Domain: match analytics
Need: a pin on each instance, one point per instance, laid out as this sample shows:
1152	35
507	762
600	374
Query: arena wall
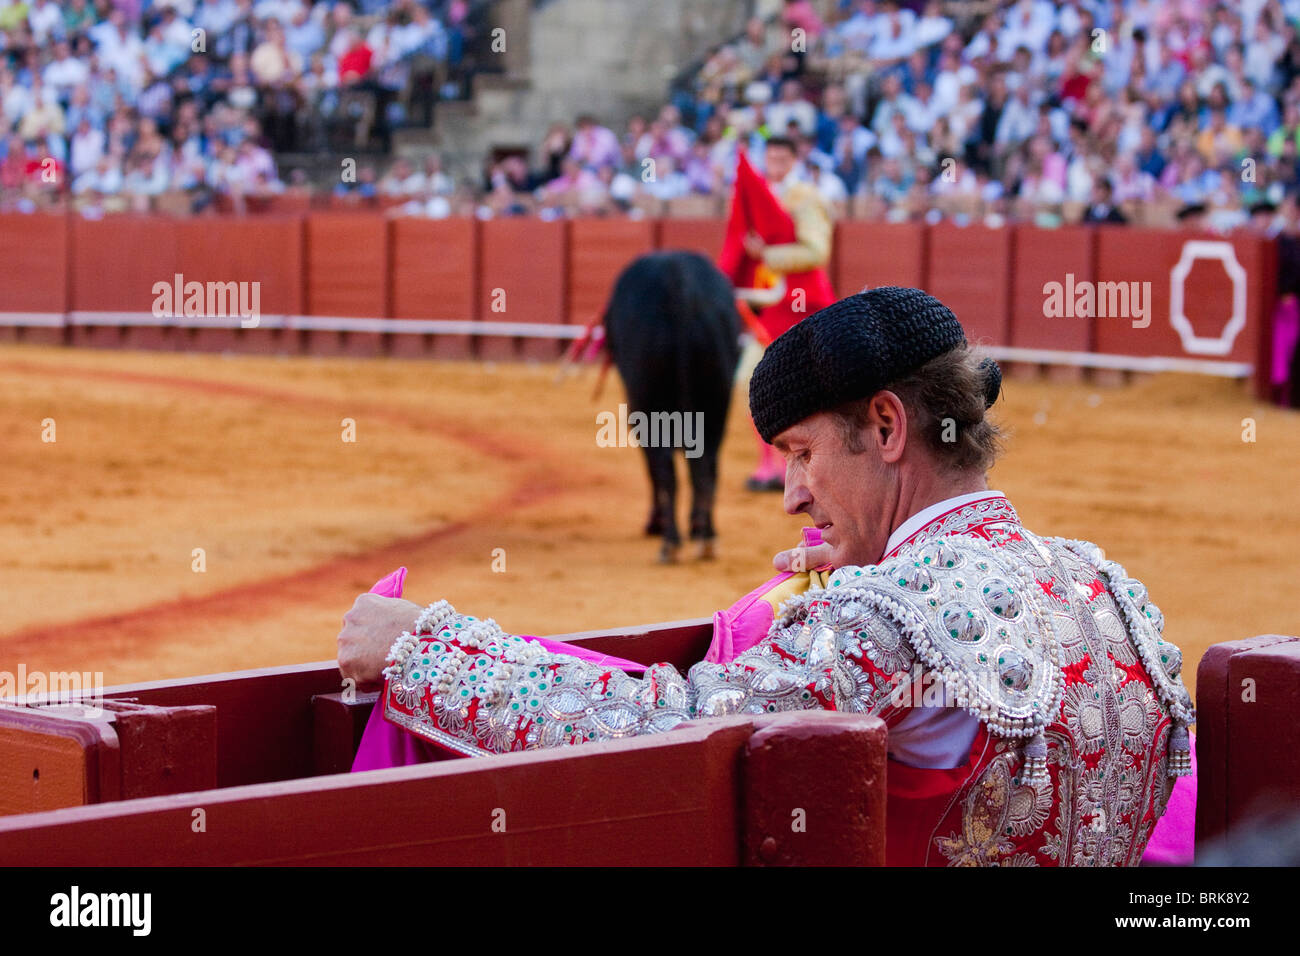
364	284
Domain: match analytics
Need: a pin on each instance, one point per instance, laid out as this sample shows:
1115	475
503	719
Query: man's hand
754	245
369	630
803	558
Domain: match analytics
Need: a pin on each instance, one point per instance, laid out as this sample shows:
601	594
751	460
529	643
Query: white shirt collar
930	512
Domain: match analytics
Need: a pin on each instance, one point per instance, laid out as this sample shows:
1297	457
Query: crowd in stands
1079	110
126	104
1051	111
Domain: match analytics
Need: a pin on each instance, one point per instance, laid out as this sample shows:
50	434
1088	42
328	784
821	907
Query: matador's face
777	163
846	494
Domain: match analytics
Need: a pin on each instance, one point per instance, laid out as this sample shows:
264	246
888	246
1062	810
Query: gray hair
946	406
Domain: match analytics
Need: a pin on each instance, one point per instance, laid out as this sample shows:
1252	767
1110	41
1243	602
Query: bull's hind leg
663	482
704	486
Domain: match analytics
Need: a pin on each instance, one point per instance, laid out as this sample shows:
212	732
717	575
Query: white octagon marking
1193	250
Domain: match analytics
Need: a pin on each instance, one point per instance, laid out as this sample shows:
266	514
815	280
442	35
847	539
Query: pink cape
735	630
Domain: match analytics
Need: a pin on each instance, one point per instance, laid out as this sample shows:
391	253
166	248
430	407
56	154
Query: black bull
672	329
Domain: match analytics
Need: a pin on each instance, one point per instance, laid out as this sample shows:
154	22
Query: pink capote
1286	335
735	630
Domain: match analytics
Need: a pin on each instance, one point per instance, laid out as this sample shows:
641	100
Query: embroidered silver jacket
1056	650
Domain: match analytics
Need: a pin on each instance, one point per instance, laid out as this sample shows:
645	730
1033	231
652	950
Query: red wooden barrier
874	254
599	249
1226	294
115	263
291	698
347	276
57	757
969	270
354	267
34	277
434	265
699	235
1247	737
522	279
690	796
1065	256
267	250
684	798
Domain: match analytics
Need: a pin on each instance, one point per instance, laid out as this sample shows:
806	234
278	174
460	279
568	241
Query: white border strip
323	323
190	322
1130	363
43	319
326	323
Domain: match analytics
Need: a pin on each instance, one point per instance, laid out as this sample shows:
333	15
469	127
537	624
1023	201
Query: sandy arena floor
158	454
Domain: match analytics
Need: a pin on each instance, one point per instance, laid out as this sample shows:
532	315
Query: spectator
1102	209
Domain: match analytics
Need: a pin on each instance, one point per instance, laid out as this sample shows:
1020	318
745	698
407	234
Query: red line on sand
170	620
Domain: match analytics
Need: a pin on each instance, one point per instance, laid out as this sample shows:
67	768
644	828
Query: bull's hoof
668	553
705	551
